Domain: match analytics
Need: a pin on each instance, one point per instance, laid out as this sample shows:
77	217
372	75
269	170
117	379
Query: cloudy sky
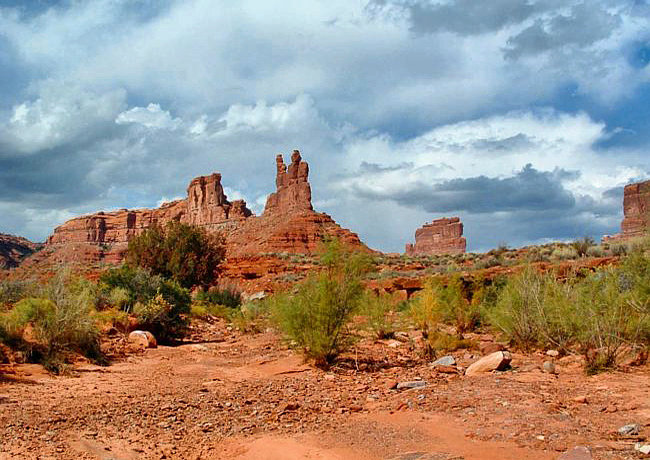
524	117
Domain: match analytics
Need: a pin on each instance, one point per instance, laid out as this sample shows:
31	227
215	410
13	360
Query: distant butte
288	224
441	236
636	212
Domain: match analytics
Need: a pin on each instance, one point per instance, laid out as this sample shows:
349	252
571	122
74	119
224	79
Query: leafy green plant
228	296
188	254
315	316
582	245
380	313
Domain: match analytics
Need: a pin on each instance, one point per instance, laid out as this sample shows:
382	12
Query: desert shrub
438	302
445	342
564	253
58	327
618	249
315	316
119	297
113	317
595	251
188	254
228	296
531	310
380	313
12	291
582	245
205	310
251	316
143	290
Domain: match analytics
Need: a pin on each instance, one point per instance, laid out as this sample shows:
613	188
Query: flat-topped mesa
293	192
441	236
636	212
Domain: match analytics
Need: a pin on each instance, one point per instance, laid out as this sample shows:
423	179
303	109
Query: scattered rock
144	339
577	453
629	430
413	384
580	399
445	361
553	353
447	369
392	384
497	361
488	348
402	336
643	448
549	367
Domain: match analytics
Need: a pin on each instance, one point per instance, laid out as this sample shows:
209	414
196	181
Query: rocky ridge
289	223
13	249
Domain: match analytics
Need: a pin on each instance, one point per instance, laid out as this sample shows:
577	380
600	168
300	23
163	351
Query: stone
549	367
636	212
553	353
143	339
582	399
444	361
630	430
441	236
643	448
289	223
496	361
411	385
491	347
577	453
13	249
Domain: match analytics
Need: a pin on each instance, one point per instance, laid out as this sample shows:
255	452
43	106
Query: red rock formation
293	189
442	236
289	223
13	249
636	212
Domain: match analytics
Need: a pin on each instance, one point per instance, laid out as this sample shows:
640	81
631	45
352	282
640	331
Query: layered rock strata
288	224
441	236
636	212
13	249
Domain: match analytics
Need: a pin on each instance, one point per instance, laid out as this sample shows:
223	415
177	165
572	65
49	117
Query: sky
526	118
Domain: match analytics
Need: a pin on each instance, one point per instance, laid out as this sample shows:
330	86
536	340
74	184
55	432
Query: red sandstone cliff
288	224
636	211
13	249
441	236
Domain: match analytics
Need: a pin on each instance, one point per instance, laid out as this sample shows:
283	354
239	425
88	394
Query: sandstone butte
288	224
441	236
13	249
636	212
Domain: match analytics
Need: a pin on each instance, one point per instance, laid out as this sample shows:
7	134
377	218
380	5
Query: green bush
227	296
188	254
438	302
582	245
131	286
564	253
12	291
59	327
380	313
315	316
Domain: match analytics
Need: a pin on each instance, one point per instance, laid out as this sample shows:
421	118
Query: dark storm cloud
584	25
529	189
465	17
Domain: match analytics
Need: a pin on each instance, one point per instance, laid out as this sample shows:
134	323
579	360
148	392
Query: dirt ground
229	395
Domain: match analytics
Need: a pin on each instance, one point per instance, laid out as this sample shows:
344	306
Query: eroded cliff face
441	236
288	224
13	249
636	212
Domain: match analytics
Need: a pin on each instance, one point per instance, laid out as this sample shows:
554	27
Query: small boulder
491	347
553	353
549	367
497	361
143	339
577	453
629	430
444	361
413	384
